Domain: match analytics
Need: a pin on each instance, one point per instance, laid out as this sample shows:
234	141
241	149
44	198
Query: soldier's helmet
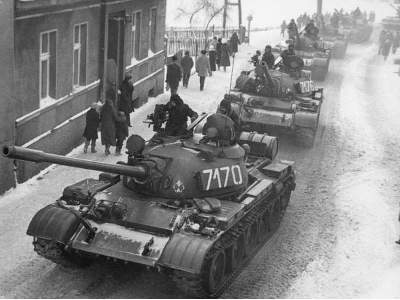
219	128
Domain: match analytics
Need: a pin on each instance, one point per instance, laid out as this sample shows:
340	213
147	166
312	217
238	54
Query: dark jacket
269	59
92	124
187	64
177	120
234	42
108	117
219	52
225	53
174	75
125	103
121	128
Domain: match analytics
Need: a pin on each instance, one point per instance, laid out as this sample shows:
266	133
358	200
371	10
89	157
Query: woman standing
225	54
218	49
108	117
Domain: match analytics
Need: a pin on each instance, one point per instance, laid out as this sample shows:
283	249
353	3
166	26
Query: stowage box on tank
196	207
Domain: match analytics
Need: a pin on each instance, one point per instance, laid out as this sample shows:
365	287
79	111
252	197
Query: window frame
46	57
151	38
79	25
134	30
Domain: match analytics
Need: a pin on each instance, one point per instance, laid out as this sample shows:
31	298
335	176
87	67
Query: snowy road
336	239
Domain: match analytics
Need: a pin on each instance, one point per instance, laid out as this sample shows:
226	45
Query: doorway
115	53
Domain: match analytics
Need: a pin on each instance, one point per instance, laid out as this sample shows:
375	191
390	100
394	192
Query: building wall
58	127
7	101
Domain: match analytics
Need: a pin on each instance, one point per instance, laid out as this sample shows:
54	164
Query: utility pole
225	14
319	7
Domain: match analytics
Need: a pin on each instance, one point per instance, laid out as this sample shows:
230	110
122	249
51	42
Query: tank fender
186	252
54	223
306	119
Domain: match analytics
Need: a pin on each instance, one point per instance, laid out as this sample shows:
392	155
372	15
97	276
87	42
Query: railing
193	39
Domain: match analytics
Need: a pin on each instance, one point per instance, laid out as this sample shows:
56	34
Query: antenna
233	67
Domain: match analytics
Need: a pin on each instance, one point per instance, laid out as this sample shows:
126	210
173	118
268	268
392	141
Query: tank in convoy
196	207
270	100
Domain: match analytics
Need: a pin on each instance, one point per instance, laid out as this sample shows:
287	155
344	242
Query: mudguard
185	252
306	119
54	223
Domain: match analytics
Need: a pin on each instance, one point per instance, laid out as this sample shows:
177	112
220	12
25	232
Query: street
336	239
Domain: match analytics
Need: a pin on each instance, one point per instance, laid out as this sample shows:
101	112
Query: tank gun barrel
37	156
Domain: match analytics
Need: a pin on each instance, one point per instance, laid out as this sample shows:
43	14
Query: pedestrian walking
174	75
292	30
121	131
125	101
396	42
92	125
283	28
108	117
387	44
225	55
212	53
203	68
234	43
382	37
187	65
219	53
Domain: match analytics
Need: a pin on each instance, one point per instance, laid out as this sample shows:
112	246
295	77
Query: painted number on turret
220	178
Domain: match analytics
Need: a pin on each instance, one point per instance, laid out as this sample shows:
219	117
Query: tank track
196	285
56	253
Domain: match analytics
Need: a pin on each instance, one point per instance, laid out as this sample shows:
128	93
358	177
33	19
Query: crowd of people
112	119
217	55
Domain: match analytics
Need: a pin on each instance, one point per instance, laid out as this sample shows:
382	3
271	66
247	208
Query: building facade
68	53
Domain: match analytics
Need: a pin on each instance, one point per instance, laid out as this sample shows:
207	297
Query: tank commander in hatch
225	108
178	112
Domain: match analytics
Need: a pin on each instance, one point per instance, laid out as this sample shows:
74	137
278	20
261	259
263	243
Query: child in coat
92	124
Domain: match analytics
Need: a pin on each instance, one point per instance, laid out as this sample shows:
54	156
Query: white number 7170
223	177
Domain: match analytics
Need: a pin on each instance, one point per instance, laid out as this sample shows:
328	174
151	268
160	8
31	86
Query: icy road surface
336	239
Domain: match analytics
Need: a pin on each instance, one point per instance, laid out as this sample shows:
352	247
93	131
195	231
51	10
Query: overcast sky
272	12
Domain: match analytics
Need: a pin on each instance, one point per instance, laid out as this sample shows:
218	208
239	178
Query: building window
135	34
80	54
48	59
153	29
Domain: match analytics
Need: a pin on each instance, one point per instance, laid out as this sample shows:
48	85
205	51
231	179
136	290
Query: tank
334	41
358	30
292	106
316	58
196	208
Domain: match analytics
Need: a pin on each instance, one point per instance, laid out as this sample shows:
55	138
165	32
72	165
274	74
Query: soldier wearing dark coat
108	117
234	43
292	30
225	108
178	113
187	65
219	53
268	57
174	75
125	102
92	124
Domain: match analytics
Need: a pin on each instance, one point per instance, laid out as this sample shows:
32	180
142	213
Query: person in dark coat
125	102
396	42
203	68
212	54
225	54
225	108
121	131
387	44
292	30
234	43
174	75
268	57
108	117
219	53
187	65
92	124
178	112
255	59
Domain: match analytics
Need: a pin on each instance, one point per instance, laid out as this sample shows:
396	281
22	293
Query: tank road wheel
56	252
216	272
